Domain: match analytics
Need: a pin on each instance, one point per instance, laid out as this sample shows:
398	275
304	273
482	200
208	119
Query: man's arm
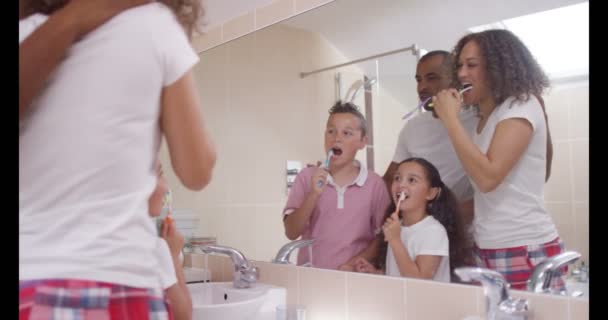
42	51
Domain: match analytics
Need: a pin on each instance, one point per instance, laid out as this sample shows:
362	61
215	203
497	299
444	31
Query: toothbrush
428	104
401	198
326	165
168	204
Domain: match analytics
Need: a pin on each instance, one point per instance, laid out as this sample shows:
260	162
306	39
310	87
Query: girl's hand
447	104
319	179
392	228
363	266
174	239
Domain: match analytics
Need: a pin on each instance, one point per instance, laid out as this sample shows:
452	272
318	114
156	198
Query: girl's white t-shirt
426	237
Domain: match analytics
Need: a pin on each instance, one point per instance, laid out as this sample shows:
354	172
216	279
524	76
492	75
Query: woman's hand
447	104
392	228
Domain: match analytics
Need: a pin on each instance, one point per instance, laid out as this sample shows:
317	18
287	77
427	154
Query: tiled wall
336	295
567	191
252	21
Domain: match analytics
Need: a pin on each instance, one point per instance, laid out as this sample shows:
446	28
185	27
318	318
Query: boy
341	206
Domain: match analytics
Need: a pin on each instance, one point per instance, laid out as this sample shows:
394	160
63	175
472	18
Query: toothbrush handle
320	183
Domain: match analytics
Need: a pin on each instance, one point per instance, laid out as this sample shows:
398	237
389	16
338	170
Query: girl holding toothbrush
423	233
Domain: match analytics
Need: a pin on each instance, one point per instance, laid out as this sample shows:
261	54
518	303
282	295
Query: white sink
573	285
221	301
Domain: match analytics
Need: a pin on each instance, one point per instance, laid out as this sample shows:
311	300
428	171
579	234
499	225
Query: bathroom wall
567	191
334	295
256	128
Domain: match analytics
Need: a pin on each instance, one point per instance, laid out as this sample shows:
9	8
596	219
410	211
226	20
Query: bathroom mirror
262	113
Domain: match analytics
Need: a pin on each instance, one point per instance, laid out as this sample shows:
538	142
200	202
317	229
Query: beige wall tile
372	297
207	40
423	298
579	112
545	306
579	309
305	5
580	160
323	292
273	13
581	216
215	264
564	221
557	104
270	235
240	233
280	275
558	186
238	26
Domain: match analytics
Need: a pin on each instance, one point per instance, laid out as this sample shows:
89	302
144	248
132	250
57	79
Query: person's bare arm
178	294
369	254
43	50
192	152
511	138
296	221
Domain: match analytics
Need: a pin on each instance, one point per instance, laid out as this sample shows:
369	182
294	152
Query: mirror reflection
263	113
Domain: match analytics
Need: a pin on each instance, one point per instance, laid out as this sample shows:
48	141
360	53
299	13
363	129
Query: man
424	135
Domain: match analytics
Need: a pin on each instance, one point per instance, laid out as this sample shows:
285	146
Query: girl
429	241
507	157
87	150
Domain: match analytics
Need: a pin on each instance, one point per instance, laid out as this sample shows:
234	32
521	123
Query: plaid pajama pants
66	299
516	264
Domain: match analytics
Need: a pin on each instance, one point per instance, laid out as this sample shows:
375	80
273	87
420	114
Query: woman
507	157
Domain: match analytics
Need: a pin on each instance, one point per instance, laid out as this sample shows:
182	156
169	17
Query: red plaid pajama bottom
65	299
516	264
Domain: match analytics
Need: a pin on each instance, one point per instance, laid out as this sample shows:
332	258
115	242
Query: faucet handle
543	273
494	287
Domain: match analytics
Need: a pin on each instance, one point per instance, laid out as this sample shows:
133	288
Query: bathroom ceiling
391	24
220	11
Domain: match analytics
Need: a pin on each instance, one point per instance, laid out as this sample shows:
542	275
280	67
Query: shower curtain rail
414	48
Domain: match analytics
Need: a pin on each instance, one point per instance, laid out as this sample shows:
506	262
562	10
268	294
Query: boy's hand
392	228
174	239
319	178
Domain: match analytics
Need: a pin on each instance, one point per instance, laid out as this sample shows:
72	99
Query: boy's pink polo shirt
344	219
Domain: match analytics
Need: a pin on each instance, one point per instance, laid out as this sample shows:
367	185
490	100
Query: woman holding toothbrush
506	159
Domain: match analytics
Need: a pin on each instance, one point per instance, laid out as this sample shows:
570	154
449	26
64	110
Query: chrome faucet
544	272
499	305
245	273
283	254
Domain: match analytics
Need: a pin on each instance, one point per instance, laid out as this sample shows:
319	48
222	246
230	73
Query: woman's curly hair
511	69
188	12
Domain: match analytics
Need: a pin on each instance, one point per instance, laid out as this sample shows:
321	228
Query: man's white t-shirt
426	137
87	151
426	237
514	213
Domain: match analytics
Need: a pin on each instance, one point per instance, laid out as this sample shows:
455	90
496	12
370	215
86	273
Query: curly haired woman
507	156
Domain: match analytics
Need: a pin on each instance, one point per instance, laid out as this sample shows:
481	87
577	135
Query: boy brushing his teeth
341	206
